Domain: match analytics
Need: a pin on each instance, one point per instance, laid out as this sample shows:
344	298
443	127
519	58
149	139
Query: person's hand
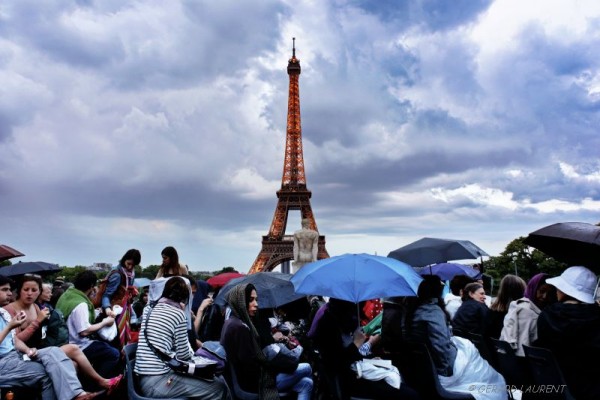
280	337
205	303
359	337
17	320
109	312
374	339
108	321
43	315
32	353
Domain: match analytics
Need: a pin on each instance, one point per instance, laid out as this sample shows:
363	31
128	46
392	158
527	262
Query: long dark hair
133	255
173	265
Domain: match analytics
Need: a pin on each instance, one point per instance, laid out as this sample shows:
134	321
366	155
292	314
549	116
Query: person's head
474	291
458	283
85	281
130	259
305	223
345	313
431	287
170	258
46	294
540	292
193	283
577	283
251	300
511	288
243	300
29	288
5	290
59	281
177	289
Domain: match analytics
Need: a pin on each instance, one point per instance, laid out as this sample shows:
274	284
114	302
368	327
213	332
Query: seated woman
164	327
338	338
36	333
242	342
511	288
520	323
458	363
472	315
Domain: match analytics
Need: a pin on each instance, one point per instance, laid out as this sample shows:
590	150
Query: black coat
572	332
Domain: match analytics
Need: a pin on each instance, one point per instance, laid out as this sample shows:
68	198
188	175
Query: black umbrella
575	243
33	267
274	289
427	251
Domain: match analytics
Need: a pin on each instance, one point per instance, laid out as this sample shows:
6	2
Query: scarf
534	283
267	389
71	299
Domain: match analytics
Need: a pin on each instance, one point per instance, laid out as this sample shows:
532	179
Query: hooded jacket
572	332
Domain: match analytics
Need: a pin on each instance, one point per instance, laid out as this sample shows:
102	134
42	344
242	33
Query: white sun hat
577	282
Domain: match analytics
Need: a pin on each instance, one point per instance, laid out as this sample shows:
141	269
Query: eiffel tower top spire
293	165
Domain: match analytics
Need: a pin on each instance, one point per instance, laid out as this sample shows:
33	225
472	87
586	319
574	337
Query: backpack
117	297
57	332
211	324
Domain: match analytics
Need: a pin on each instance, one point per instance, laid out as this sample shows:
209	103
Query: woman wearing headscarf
520	323
242	342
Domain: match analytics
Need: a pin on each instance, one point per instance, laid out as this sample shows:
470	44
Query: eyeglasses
32	276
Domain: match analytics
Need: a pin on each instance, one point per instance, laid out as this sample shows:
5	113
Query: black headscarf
238	299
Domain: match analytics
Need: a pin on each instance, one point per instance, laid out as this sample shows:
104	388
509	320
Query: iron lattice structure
293	195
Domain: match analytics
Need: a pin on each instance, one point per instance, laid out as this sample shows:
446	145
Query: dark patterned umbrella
428	251
575	243
33	267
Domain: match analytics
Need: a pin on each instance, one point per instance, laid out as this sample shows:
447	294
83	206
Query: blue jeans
300	381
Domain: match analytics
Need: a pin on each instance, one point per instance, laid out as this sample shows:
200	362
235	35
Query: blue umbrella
447	271
357	277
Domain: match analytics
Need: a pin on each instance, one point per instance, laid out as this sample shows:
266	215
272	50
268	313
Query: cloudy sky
152	123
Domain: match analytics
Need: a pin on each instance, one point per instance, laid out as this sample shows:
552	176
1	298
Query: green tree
522	260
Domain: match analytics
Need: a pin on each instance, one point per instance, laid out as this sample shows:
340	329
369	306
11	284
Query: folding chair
422	375
133	390
513	368
546	371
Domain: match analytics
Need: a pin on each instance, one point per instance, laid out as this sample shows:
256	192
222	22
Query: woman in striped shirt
166	330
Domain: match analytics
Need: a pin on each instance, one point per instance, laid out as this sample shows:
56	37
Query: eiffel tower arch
278	247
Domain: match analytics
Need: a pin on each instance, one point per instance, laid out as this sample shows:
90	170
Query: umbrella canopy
274	289
7	252
142	282
357	277
220	280
447	271
33	267
428	251
575	243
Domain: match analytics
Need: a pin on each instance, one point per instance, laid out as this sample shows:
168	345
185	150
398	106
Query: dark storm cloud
430	14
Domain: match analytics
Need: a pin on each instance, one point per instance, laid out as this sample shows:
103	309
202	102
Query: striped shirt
167	331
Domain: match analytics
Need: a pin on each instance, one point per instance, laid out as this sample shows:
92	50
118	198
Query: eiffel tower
293	195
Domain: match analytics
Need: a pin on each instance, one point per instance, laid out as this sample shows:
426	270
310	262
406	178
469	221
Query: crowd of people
67	342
